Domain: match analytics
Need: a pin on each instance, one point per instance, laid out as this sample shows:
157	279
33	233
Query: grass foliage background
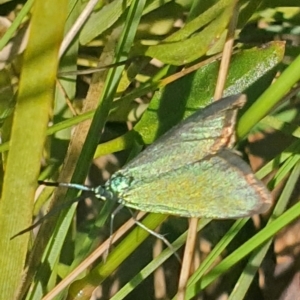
57	123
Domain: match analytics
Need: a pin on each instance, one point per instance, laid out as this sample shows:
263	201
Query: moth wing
220	186
203	133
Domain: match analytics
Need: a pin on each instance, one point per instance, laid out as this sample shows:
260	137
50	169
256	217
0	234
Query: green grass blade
269	98
27	138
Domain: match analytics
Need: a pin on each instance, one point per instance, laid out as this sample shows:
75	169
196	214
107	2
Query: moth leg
138	223
155	234
111	229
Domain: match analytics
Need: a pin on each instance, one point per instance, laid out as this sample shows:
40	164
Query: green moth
192	171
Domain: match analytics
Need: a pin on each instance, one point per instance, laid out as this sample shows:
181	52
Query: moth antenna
57	209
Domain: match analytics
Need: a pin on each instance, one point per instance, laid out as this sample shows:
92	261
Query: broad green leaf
181	98
102	19
181	48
